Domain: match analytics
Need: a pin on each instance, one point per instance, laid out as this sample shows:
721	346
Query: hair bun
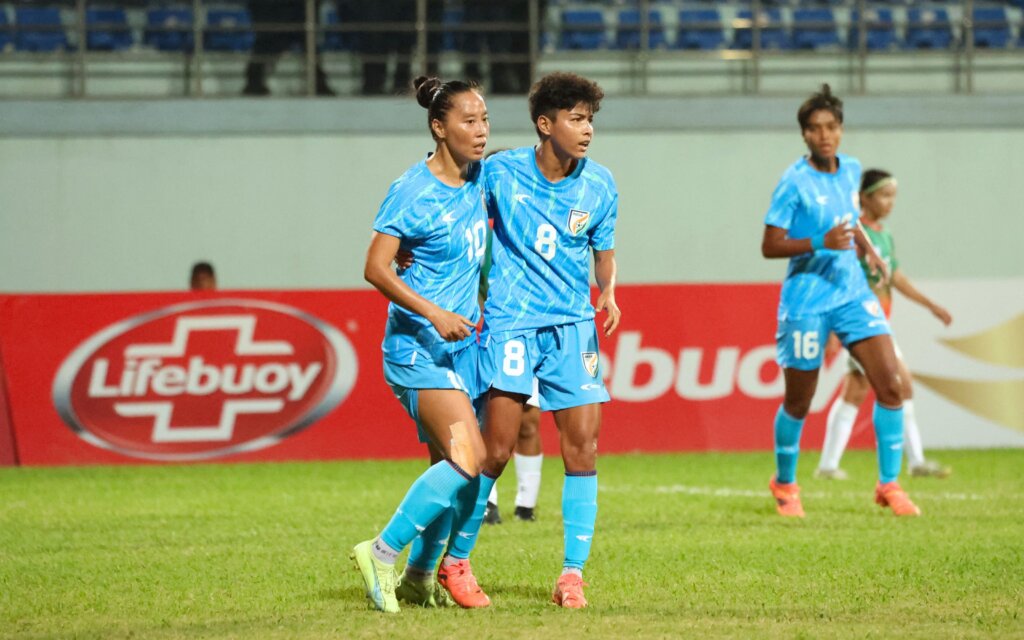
425	88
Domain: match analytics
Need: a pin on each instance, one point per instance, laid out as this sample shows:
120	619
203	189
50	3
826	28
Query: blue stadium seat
336	40
627	35
881	29
107	29
814	29
169	29
49	34
991	27
928	28
5	35
452	36
582	29
700	29
772	34
234	32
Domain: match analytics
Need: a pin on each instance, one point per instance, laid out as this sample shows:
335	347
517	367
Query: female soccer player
877	195
813	221
552	208
430	354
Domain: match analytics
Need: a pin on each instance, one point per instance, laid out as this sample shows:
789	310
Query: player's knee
797	408
889	390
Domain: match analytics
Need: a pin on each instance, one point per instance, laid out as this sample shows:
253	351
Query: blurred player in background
877	196
529	461
813	221
430	344
552	208
203	278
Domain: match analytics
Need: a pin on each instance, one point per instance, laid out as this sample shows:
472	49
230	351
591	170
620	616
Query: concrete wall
126	195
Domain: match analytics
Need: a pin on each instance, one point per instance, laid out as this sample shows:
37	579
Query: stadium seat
814	29
169	29
336	40
453	38
48	35
700	29
6	40
107	29
991	27
928	29
228	29
881	29
582	29
628	36
772	34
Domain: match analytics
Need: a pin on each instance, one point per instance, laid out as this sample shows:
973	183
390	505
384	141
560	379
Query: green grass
686	546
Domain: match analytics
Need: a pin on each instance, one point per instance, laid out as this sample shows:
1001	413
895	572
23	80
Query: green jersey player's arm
907	288
605	274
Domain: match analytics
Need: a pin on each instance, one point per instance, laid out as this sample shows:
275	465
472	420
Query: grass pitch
686	546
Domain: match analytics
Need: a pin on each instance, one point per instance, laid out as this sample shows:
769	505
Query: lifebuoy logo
202	380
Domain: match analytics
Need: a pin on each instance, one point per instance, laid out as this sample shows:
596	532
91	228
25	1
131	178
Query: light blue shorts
564	359
800	342
407	370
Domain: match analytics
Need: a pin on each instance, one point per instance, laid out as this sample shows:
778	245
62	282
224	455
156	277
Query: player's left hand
606	302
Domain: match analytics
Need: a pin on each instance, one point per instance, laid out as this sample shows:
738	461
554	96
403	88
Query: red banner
295	375
8	455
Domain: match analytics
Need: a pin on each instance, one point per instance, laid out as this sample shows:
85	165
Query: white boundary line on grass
725	492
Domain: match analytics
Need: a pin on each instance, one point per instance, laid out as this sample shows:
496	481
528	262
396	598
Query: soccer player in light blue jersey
813	221
553	208
430	346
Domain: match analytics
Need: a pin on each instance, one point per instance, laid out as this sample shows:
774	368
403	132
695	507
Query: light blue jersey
807	203
446	229
540	276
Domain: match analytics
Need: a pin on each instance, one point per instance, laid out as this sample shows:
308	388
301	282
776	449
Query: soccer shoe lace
461	584
378	578
787	499
569	591
891	495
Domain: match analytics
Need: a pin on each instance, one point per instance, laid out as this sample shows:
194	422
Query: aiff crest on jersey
578	221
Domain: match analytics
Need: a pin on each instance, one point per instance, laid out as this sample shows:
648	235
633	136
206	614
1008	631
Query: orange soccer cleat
893	496
459	581
569	591
787	498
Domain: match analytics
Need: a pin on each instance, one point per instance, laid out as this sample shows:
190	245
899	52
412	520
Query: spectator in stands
269	45
203	277
376	45
508	77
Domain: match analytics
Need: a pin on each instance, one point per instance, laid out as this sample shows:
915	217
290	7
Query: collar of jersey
814	170
430	174
561	184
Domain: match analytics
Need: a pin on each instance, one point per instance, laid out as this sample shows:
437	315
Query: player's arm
907	288
378	272
605	274
776	242
874	261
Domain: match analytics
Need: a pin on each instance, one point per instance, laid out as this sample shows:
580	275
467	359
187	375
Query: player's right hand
404	259
452	326
839	237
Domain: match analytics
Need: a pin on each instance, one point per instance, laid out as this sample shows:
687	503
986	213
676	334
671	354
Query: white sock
493	498
528	479
383	552
841	417
912	436
578	572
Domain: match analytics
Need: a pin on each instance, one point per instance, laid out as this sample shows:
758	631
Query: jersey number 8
546	238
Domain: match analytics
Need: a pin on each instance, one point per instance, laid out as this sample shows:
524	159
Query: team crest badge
590	362
578	221
872	307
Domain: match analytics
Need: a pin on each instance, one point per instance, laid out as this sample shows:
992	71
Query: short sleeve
785	203
396	215
602	236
